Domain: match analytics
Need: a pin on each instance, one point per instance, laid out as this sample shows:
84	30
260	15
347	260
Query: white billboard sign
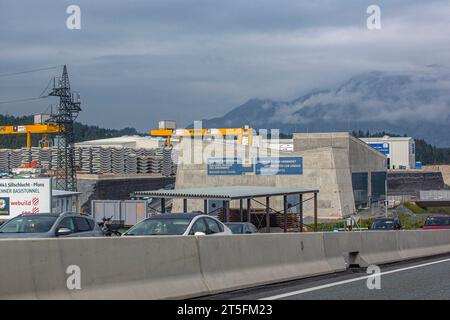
19	196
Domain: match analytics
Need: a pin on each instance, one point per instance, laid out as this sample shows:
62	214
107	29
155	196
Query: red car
437	221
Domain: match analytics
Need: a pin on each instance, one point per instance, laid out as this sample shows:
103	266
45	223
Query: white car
180	224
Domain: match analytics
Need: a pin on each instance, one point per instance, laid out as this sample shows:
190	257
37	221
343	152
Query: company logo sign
4	206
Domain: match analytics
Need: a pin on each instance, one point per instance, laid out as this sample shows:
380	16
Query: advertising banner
19	196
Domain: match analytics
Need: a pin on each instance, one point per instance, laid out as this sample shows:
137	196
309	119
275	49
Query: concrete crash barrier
241	261
183	267
413	244
380	247
110	268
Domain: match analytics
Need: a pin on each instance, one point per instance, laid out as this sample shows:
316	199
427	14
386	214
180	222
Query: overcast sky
136	62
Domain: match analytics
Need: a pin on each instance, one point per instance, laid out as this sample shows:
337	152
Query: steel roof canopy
224	193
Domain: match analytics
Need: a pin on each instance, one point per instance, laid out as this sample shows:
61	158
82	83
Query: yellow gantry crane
31	129
170	133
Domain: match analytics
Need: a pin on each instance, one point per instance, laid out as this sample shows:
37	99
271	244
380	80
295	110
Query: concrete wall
351	156
328	163
319	172
183	267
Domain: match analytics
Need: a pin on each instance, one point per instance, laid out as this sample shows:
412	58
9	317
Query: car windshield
28	224
161	226
387	224
437	221
235	228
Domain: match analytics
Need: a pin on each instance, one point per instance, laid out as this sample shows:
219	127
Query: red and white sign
25	196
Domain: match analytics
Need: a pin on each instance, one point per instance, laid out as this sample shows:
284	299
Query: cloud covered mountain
413	103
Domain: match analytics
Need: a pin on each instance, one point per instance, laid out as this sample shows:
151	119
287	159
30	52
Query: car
50	225
386	224
241	227
437	221
181	224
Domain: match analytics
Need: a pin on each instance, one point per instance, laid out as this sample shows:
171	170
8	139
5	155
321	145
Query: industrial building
400	151
346	171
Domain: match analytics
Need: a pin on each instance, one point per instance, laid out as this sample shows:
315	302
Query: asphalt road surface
419	279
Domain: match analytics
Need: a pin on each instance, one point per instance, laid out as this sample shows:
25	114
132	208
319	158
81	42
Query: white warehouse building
400	151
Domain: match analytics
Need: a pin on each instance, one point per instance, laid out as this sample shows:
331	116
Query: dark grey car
50	225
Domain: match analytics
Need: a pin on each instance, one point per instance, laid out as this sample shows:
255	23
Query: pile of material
95	160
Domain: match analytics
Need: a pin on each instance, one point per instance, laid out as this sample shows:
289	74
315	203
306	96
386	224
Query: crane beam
31	129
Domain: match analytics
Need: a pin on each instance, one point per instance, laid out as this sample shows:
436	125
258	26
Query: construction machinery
243	136
44	129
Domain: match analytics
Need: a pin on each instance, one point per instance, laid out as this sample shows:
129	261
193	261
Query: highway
413	280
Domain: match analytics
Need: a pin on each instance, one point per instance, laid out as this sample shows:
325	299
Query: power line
41	96
28	71
22	100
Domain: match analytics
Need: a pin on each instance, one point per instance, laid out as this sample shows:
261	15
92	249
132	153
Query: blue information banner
384	148
279	165
225	167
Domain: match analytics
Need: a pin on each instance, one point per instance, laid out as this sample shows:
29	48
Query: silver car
50	225
182	224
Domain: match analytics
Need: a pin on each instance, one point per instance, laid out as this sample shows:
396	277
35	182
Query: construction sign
19	196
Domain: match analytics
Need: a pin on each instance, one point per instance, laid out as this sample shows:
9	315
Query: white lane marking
338	283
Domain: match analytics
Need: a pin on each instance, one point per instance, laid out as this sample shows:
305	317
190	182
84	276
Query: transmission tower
68	109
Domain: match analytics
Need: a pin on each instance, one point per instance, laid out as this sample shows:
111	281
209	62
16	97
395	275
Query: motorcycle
110	227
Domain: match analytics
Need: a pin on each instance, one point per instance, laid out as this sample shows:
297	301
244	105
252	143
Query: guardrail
183	267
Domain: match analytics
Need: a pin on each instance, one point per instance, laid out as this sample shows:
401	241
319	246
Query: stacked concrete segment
85	160
4	160
15	159
118	160
96	160
45	157
26	156
131	163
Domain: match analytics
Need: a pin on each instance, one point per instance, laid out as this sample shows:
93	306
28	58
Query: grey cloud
138	61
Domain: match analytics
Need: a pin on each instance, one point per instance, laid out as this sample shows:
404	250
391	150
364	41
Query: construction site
107	175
